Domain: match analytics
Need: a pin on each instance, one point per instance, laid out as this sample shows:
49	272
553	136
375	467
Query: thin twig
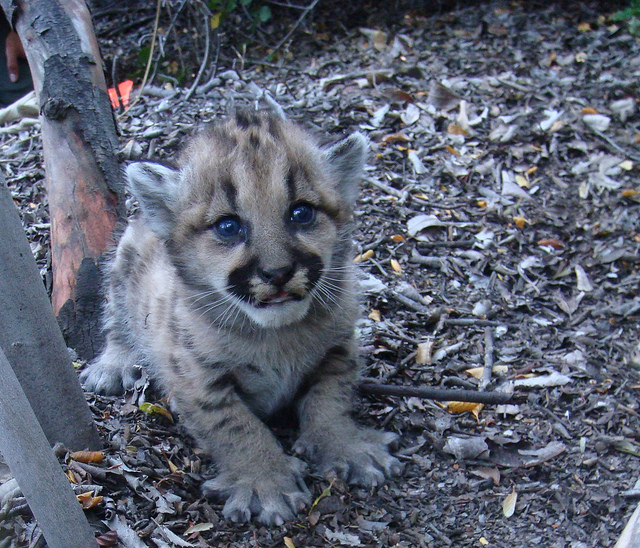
615	145
149	60
488	358
293	29
384	187
205	58
437	394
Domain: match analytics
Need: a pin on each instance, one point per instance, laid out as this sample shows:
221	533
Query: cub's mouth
280	297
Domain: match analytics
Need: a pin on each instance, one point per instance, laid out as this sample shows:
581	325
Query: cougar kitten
234	289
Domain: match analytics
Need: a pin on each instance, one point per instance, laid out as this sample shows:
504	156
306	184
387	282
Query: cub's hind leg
114	371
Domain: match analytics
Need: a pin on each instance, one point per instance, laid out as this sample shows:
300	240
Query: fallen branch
368	387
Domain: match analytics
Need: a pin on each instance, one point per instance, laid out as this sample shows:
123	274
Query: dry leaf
418	167
455	129
452	150
288	542
199	528
522	181
509	504
154	408
364	256
110	538
87	457
488	473
441	97
551	242
410	115
374	315
87	500
396	266
627	165
629	193
589	110
395	138
519	221
398	238
423	354
583	280
584	27
464	406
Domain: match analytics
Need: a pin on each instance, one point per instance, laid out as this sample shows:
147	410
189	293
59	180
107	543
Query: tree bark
31	340
84	181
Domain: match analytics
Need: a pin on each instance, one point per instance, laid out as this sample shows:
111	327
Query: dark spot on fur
239	279
254	141
231	192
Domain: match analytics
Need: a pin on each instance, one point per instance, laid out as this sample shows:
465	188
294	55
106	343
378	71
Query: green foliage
221	9
631	16
627	14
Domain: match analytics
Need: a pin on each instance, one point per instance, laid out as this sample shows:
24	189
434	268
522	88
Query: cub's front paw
273	496
110	376
360	457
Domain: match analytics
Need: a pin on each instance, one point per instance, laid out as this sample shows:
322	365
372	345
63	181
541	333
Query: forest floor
498	226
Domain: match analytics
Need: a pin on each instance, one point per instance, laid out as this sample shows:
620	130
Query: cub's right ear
156	188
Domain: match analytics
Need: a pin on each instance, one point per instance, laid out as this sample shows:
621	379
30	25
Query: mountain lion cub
234	289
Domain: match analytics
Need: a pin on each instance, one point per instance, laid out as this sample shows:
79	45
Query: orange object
124	89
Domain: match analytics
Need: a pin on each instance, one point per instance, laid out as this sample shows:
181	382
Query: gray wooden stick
31	460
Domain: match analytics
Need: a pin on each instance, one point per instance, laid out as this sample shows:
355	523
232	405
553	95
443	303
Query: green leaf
264	14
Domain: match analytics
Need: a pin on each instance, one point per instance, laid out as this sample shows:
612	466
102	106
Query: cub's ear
347	157
156	188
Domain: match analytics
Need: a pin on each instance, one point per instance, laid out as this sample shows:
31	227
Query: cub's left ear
347	157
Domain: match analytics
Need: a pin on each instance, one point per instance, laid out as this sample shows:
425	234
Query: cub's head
256	218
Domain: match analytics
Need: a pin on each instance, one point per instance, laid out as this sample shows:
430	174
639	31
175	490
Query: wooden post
32	462
32	341
84	182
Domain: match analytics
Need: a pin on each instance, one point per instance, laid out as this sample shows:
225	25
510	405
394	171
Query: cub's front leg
330	437
254	474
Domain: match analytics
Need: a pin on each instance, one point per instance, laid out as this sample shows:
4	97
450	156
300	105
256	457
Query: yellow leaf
629	193
172	467
87	457
375	315
288	542
475	372
396	266
589	110
87	500
215	20
153	408
522	181
463	406
532	170
483	541
398	238
364	256
71	477
509	504
519	221
584	27
482	203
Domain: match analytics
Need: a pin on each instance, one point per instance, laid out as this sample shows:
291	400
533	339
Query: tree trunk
84	182
31	340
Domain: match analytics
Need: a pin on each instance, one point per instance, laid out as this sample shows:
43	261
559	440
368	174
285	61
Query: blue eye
303	214
228	227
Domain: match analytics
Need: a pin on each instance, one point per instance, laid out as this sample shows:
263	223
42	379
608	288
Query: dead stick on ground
488	358
436	394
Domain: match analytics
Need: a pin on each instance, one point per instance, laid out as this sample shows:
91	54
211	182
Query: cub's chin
276	313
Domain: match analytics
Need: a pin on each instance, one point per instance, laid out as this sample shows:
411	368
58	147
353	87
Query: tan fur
236	328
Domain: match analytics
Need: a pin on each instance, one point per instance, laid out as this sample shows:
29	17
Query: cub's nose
277	276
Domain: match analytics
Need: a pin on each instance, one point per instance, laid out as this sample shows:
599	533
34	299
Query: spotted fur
234	289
